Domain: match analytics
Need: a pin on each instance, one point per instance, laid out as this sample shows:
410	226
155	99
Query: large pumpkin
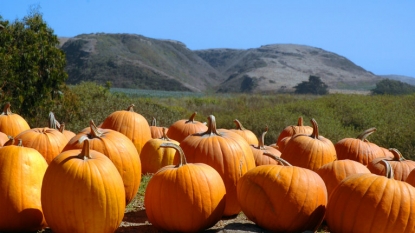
335	172
371	203
131	124
283	198
294	129
49	142
11	123
227	152
83	191
21	175
359	149
153	156
180	129
185	198
249	136
119	149
258	151
309	151
401	167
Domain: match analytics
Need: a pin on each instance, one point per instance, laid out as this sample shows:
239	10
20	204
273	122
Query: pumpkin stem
315	129
283	162
192	118
154	122
130	108
95	133
10	141
212	126
53	123
6	109
238	124
397	156
389	169
85	153
164	137
178	149
366	133
261	140
300	121
62	127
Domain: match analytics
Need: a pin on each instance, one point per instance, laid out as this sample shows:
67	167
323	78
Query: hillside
135	61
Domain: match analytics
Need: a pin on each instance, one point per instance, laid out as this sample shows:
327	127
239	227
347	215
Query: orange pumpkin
283	198
153	156
49	142
180	129
258	151
309	151
156	131
12	124
119	149
21	174
3	138
359	149
83	191
247	134
371	203
294	129
198	192
333	173
131	124
401	167
227	152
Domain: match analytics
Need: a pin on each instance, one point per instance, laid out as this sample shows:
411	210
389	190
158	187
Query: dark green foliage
392	87
32	72
314	86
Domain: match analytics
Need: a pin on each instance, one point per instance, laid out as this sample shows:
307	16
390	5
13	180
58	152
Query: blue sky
376	35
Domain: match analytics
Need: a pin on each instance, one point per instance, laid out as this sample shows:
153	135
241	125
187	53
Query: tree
32	74
392	87
314	86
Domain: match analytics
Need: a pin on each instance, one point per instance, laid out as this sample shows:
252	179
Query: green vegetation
314	86
32	75
393	87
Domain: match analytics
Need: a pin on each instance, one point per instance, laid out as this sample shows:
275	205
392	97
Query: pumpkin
401	167
410	179
258	151
11	123
153	156
3	138
49	142
247	134
119	149
227	152
180	129
333	173
283	198
359	149
188	197
371	203
21	174
283	142
294	129
309	151
131	124
83	191
156	131
54	124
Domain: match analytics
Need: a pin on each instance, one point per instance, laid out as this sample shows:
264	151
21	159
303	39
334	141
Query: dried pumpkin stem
154	122
6	109
95	133
130	108
85	153
261	140
397	156
53	123
389	169
300	121
164	136
315	128
283	162
366	133
212	126
192	118
238	124
178	149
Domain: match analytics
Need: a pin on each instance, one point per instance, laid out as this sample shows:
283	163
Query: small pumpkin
198	192
369	203
11	123
83	191
309	151
21	173
294	129
283	198
153	156
258	151
156	131
247	134
401	167
180	129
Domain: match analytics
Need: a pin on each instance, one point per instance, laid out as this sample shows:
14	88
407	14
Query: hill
135	61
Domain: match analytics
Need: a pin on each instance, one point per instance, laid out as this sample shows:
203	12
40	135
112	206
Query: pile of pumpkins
52	177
